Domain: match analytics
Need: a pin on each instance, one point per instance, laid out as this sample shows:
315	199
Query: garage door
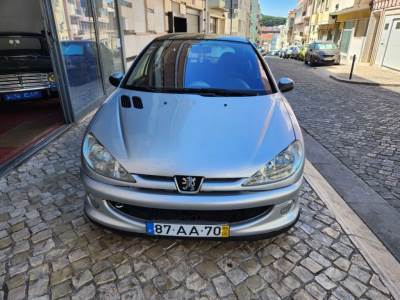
392	54
193	20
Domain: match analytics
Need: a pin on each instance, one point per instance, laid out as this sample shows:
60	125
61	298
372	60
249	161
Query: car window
325	46
192	65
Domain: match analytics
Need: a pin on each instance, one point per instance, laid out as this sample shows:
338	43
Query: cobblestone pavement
360	125
48	249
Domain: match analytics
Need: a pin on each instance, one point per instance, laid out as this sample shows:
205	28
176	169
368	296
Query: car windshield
20	45
325	46
200	66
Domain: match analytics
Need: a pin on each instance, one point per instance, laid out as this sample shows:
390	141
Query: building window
213	25
346	36
361	29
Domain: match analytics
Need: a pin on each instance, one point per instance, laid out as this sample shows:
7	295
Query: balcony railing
380	4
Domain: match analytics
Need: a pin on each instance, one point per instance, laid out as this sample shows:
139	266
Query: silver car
322	53
196	141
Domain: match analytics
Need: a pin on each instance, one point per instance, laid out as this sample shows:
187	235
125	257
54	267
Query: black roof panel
17	33
201	36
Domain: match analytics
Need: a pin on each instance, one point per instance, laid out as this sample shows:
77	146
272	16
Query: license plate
23	96
185	230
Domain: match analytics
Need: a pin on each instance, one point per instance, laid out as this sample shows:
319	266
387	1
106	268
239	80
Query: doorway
180	24
30	102
391	57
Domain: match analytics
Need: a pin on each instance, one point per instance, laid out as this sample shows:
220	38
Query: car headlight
51	78
280	167
101	161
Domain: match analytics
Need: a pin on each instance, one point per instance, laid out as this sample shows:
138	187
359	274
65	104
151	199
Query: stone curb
380	259
337	78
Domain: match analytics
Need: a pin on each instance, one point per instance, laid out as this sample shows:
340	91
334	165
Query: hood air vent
137	102
126	101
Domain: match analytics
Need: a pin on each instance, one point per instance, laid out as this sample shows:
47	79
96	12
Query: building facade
351	22
382	46
270	36
216	16
345	23
289	27
254	20
298	30
238	17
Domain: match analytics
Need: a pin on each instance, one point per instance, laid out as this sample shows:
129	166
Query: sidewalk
365	74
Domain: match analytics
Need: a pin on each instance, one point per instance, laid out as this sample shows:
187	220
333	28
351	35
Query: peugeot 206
197	140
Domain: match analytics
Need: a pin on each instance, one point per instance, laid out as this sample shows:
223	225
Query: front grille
329	55
166	183
215	216
25	81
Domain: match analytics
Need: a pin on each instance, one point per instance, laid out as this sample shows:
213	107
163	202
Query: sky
278	8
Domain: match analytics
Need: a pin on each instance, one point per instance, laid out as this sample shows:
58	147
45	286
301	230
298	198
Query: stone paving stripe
381	260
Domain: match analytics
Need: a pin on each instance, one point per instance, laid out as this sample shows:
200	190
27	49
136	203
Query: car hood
328	52
186	134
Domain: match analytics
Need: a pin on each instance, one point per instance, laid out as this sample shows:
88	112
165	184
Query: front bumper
283	201
327	61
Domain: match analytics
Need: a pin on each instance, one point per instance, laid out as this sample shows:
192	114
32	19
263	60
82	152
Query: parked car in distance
292	52
26	72
303	51
282	53
195	143
322	53
273	52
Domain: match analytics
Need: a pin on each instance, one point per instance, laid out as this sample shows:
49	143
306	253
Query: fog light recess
284	210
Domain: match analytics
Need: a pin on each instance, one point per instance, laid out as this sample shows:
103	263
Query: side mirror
285	84
115	78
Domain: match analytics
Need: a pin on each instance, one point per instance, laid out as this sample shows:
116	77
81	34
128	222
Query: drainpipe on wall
231	12
205	23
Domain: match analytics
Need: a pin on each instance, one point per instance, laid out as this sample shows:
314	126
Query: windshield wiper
207	92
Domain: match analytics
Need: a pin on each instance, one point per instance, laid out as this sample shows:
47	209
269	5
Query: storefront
69	47
352	24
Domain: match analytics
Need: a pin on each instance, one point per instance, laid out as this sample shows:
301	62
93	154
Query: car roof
202	36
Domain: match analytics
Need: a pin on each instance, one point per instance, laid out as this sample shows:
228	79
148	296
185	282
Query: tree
272	21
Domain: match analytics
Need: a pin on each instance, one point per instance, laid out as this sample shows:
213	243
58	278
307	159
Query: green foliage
272	21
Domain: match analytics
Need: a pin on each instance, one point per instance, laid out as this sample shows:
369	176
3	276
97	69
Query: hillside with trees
272	21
